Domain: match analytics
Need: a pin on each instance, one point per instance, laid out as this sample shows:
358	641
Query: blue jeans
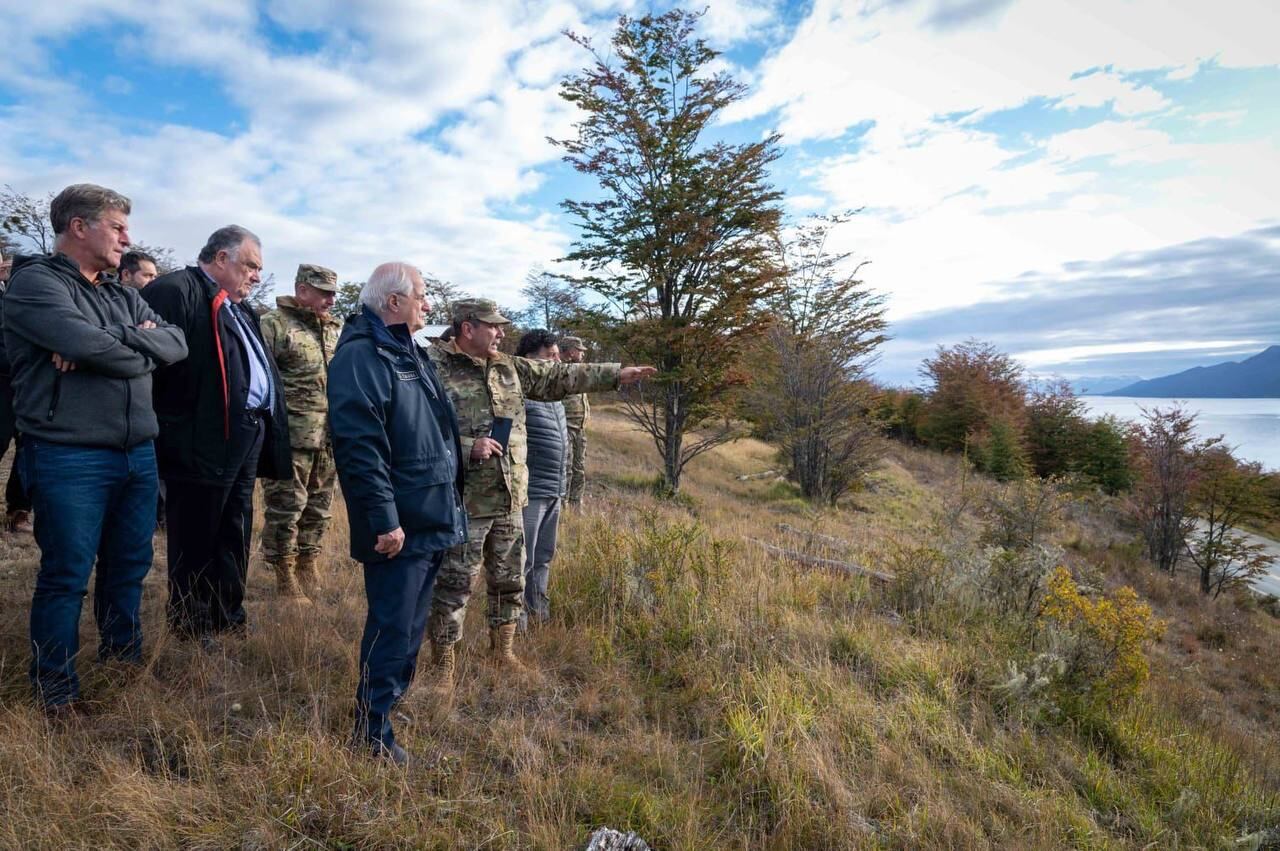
399	592
91	503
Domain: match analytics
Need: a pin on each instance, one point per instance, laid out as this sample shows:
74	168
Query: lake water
1252	426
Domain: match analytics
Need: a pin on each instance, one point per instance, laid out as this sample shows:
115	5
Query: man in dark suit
222	425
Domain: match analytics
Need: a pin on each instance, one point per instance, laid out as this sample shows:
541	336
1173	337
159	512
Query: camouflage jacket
303	345
577	410
481	390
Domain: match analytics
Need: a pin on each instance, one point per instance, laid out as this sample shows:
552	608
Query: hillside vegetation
693	688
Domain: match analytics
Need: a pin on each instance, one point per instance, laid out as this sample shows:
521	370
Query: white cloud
731	21
1043	357
848	63
1228	117
1101	88
409	131
1123	141
950	208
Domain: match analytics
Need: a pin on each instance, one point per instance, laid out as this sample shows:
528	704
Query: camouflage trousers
497	545
577	465
298	509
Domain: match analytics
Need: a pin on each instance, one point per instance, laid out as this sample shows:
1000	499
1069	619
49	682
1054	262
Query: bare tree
166	260
260	295
441	295
552	301
811	394
1164	454
1227	494
27	218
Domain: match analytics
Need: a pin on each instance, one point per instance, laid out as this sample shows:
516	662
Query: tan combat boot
501	639
286	587
307	574
19	521
442	665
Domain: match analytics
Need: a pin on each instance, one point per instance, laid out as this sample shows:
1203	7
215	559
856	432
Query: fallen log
828	564
751	477
815	536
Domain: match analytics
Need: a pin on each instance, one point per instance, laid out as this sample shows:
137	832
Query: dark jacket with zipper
49	307
548	448
395	441
200	402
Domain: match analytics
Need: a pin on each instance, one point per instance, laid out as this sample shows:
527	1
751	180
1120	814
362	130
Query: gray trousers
541	521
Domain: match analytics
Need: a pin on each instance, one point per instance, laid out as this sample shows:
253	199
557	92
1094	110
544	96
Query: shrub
1055	428
1024	513
1104	456
1102	641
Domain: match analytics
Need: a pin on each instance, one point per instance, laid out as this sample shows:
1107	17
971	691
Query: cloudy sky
1093	185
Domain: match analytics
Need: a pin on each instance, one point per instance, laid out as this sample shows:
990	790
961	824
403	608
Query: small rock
608	839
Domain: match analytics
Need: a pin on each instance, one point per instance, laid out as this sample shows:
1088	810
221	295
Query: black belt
257	413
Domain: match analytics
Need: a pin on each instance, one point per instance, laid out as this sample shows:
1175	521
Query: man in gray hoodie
82	349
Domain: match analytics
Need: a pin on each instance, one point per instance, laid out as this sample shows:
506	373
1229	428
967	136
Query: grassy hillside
692	688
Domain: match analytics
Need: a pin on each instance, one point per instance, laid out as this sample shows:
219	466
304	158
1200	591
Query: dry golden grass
690	688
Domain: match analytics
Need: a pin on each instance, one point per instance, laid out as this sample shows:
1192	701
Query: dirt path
1268	583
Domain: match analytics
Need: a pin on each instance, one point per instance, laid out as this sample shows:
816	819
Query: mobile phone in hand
501	431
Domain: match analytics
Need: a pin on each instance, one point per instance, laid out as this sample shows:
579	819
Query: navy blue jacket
395	441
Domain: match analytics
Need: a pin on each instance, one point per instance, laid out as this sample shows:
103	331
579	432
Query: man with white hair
223	424
397	450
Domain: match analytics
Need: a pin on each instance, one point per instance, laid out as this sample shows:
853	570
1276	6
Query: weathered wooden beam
750	477
816	536
828	564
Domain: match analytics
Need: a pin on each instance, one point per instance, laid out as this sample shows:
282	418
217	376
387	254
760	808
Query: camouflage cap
481	309
568	344
318	277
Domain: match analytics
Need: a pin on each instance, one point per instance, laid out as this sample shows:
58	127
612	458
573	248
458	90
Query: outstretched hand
632	374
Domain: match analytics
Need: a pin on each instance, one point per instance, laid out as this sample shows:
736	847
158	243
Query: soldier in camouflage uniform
577	410
302	335
484	383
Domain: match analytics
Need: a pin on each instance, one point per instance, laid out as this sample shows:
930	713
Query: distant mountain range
1257	377
1100	385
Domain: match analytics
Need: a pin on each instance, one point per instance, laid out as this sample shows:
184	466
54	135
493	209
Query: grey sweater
548	445
106	400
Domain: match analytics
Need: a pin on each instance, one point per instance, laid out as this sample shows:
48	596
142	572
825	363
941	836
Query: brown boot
19	521
307	574
442	667
286	586
501	639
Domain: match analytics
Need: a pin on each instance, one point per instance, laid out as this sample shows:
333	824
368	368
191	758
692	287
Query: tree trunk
674	442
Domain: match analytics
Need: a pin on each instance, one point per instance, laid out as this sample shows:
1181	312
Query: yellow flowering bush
1102	640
